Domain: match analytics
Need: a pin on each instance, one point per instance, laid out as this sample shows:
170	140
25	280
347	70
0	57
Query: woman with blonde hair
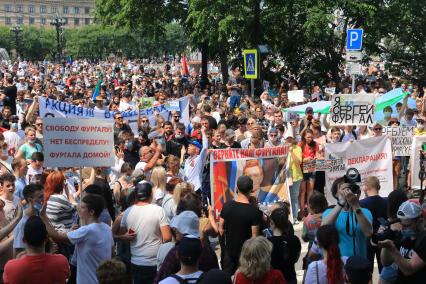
255	264
158	180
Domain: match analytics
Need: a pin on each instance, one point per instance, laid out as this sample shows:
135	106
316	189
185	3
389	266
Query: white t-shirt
191	278
141	166
33	175
145	221
93	244
311	274
12	139
10	207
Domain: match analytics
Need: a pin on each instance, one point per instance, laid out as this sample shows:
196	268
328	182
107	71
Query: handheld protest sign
72	142
352	110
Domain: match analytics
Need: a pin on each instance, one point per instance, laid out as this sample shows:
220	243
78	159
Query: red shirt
308	151
274	276
37	269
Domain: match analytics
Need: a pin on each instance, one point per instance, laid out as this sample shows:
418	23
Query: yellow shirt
419	132
295	167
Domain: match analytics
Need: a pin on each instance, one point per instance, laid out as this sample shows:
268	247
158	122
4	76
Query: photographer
409	254
353	223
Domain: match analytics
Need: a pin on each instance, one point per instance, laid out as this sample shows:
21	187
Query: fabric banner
53	108
78	142
402	139
391	98
352	110
371	157
418	141
266	166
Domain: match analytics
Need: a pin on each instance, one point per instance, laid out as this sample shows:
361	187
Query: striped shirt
60	212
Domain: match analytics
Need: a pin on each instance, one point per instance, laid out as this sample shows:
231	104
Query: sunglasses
39	124
119	117
377	129
144	120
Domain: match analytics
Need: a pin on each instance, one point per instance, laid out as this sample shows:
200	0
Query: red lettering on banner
231	154
368	158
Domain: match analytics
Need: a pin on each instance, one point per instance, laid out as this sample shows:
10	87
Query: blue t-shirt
19	188
345	239
28	150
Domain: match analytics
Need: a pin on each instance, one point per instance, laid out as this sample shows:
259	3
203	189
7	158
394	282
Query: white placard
352	110
402	139
73	142
415	160
371	157
296	96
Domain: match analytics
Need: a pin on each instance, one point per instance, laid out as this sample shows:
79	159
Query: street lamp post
58	23
16	30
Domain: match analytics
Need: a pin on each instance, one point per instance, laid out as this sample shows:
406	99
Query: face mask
408	233
420	126
387	114
129	145
410	88
69	174
5	153
178	136
128	178
37	206
31	140
14	125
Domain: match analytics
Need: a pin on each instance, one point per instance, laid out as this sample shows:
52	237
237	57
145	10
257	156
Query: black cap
245	184
143	191
189	249
215	276
358	269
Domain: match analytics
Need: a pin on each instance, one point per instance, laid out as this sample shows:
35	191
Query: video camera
353	177
387	234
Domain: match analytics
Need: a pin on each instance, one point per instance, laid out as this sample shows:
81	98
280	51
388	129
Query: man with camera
353	223
407	251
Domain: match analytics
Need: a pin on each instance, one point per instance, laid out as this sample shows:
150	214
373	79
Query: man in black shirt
239	221
410	254
9	94
378	208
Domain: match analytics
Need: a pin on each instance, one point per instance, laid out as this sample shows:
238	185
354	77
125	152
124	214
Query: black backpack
187	280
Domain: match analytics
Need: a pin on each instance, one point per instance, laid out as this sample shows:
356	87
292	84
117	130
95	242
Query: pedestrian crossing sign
250	64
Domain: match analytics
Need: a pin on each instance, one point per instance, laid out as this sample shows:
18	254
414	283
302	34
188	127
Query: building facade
39	13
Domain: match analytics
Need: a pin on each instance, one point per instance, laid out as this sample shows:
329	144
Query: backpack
187	280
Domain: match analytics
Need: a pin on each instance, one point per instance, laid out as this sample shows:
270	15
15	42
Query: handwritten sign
402	139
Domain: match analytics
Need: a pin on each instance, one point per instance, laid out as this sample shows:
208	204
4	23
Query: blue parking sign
354	39
250	64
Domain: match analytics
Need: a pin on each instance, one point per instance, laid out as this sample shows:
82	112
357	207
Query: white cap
196	119
409	210
187	223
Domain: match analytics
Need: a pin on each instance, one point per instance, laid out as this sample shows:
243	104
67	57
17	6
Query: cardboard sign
72	142
352	110
296	96
402	139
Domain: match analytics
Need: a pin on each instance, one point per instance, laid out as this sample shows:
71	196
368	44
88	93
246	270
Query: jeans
294	198
234	101
143	274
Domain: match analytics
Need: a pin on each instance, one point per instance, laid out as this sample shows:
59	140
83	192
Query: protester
330	269
352	237
148	226
30	146
255	264
36	266
358	270
239	221
112	271
93	241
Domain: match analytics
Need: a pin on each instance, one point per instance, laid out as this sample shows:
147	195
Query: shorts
308	176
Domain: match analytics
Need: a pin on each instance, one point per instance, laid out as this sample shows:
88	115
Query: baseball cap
189	249
143	191
196	144
187	223
409	210
245	184
309	110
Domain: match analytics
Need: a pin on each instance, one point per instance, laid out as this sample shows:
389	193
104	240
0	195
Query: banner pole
81	182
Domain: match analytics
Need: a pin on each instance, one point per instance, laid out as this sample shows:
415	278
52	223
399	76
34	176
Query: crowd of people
149	219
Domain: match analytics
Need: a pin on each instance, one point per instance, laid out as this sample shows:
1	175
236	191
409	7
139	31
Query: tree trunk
224	66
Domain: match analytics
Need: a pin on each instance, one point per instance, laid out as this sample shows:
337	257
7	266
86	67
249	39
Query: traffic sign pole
252	87
354	42
353	84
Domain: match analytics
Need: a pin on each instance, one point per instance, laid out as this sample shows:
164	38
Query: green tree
38	43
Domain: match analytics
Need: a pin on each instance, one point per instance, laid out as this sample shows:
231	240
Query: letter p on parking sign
354	39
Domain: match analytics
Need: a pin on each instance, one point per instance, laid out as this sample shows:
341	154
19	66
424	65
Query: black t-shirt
406	250
10	99
239	218
234	145
285	252
378	208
